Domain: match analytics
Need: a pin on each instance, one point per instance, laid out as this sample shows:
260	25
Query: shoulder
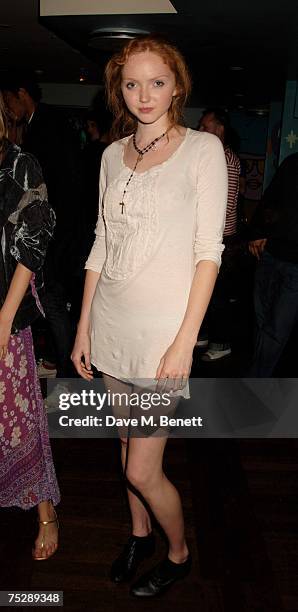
206	158
11	153
232	158
114	151
26	170
15	158
25	159
204	149
203	141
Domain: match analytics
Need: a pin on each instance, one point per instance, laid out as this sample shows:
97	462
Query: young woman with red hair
150	275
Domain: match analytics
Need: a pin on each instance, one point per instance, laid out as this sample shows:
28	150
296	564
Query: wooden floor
241	513
240	503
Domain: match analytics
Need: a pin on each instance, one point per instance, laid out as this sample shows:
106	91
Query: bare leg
46	542
141	523
144	471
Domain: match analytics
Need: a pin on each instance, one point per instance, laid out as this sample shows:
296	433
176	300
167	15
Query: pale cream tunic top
174	217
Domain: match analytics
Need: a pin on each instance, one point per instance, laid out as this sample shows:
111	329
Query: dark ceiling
260	36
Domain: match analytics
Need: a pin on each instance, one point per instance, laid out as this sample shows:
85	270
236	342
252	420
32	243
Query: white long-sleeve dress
174	217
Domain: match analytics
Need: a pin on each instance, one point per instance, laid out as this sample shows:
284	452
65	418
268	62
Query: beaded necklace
140	152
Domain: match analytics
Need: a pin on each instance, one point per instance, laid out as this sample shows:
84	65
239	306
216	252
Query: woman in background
27	475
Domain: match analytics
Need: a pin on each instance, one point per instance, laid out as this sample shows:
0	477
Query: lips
146	109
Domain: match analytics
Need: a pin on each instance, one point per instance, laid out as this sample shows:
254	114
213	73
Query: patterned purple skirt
27	474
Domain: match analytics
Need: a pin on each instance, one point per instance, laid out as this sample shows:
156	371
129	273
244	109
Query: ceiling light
262	111
99	37
236	68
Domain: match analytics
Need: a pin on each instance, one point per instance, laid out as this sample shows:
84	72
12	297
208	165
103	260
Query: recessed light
259	110
97	37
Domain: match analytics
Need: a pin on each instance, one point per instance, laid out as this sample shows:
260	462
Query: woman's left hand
5	331
174	367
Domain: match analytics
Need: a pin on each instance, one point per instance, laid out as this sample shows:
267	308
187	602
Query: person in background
48	139
27	475
216	330
98	123
274	242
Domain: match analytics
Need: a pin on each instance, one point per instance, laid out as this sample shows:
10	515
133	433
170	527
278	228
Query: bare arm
94	266
82	342
15	294
91	281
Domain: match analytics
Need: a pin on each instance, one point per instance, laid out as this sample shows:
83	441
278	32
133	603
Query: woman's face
148	86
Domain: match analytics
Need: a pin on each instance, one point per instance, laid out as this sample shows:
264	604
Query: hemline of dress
27	488
29	506
131	381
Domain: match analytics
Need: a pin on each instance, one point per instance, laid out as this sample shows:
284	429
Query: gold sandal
55	520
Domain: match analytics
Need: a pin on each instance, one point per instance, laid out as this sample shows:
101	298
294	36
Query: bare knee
136	478
140	478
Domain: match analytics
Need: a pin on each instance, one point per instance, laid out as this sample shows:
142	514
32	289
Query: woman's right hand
5	331
80	355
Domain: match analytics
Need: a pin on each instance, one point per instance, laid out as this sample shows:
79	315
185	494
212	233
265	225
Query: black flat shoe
160	578
135	550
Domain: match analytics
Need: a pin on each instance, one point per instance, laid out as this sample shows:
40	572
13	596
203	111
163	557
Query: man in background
98	124
274	242
217	324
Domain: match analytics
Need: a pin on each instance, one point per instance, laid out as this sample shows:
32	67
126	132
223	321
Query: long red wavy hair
124	122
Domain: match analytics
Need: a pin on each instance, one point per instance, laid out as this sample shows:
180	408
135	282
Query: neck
147	132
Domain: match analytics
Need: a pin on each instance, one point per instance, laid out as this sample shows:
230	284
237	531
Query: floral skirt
27	474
